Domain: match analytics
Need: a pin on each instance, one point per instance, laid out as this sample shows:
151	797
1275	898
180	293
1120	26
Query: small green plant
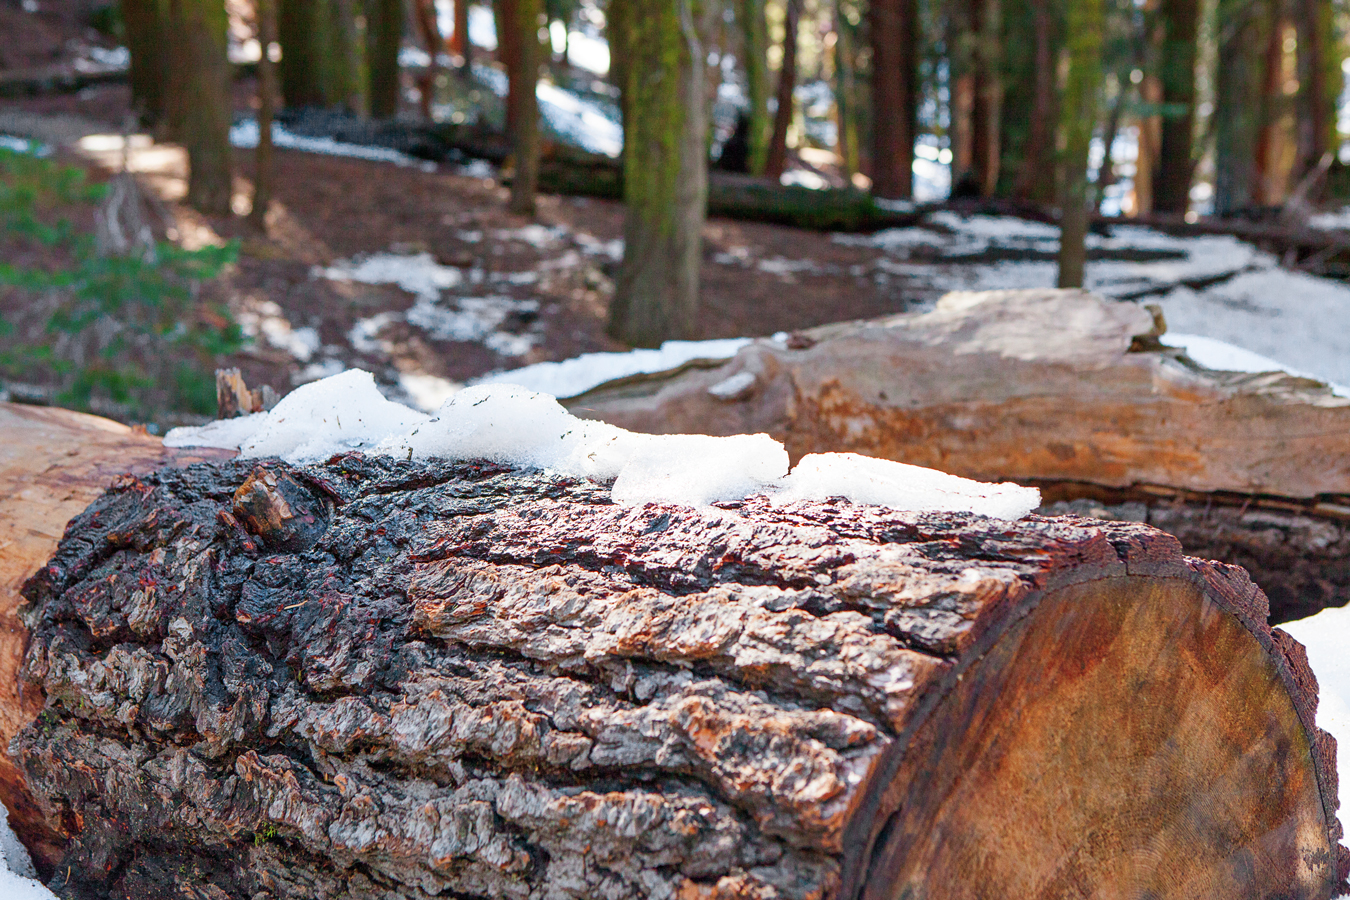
264	834
127	329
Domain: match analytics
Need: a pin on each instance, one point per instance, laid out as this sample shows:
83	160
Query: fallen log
53	463
1038	387
377	677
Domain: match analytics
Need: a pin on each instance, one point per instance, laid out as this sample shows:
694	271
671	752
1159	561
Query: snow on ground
18	878
1216	354
458	318
512	424
579	374
1326	636
245	136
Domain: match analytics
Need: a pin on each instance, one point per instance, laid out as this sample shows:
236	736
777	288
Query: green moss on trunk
1079	119
201	100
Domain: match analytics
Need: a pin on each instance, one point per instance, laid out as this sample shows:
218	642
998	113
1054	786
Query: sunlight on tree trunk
1077	122
201	100
665	174
523	79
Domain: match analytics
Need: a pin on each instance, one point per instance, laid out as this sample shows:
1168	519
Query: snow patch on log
18	878
513	425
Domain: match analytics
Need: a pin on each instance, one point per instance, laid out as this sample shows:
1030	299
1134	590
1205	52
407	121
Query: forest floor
415	271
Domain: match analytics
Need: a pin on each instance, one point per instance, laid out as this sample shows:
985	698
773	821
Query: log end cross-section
376	678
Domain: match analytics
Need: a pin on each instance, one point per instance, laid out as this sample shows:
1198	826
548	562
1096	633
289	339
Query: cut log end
473	681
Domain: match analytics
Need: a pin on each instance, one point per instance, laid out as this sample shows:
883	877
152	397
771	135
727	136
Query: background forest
680	161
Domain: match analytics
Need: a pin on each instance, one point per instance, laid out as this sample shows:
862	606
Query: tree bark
1029	125
147	36
424	18
665	175
1180	26
1085	29
1267	186
1321	81
523	82
344	62
461	42
895	96
465	680
1243	30
845	93
776	161
384	34
986	31
267	92
755	49
201	100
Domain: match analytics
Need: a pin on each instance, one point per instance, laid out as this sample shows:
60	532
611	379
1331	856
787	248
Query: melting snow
245	136
1214	354
18	878
512	424
1325	636
578	375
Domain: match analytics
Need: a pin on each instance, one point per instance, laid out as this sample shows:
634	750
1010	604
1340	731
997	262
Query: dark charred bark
377	677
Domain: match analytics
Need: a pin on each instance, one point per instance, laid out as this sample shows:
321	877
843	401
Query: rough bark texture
52	464
1243	27
423	680
987	93
523	80
755	44
665	158
146	25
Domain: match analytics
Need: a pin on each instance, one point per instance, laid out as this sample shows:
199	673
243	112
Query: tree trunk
986	94
424	18
755	50
464	680
1028	116
776	161
523	82
462	43
1266	183
201	100
895	96
1180	26
384	34
845	92
344	57
1243	31
267	92
1079	118
147	36
665	175
1150	143
299	31
1321	81
508	48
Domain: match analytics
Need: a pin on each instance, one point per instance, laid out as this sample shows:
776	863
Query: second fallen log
471	680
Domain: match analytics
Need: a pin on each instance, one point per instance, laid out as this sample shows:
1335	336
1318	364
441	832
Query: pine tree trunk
776	161
201	100
462	43
523	82
665	174
424	18
1180	27
755	49
1150	141
1238	108
845	93
1321	80
1266	183
384	34
147	37
895	96
1085	28
267	93
344	57
987	93
299	31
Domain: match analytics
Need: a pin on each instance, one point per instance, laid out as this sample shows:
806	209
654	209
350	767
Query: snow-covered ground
18	879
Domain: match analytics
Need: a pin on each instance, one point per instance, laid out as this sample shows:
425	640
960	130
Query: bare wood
376	676
53	463
1016	385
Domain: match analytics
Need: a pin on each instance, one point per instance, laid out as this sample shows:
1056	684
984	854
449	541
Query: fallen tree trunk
377	678
1037	387
53	463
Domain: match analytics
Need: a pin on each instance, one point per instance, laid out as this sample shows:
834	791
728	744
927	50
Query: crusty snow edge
511	424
